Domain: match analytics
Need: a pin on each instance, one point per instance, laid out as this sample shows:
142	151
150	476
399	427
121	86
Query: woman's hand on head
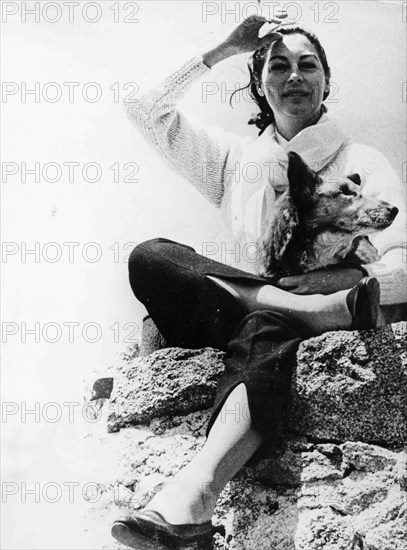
245	38
322	281
248	36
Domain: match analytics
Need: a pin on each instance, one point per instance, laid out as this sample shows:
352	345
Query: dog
317	224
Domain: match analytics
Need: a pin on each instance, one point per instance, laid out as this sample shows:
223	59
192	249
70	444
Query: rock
194	423
335	502
352	386
321	512
170	381
129	466
282	469
348	386
102	388
367	458
330	487
151	338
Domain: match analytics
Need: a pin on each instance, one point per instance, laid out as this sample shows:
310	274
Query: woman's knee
139	252
144	254
141	264
155	252
151	261
152	248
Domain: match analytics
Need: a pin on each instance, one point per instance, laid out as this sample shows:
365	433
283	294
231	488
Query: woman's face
293	79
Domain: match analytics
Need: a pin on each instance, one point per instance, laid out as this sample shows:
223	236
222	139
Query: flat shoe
363	303
148	530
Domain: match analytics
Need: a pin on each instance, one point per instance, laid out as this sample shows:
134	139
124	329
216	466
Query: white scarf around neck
262	174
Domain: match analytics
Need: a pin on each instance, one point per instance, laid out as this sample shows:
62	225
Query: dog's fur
320	223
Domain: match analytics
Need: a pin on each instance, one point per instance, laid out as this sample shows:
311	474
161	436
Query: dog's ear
302	181
355	178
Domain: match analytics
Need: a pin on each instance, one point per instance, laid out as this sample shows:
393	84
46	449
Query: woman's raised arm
206	157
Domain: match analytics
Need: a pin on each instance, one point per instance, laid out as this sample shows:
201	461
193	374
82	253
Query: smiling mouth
296	94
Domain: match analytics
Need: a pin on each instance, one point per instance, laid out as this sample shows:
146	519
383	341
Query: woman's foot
149	530
363	302
354	309
185	500
179	515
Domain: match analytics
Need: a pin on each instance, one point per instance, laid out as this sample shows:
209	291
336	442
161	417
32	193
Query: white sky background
366	48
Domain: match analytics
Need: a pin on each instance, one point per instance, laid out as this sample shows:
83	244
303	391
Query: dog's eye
346	191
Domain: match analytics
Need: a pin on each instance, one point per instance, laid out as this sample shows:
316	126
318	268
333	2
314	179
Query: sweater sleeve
383	182
205	156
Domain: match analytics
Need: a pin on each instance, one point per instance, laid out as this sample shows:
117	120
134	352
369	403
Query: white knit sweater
207	158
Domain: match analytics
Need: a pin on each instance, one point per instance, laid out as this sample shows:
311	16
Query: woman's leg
247	414
189	310
191	495
194	309
319	312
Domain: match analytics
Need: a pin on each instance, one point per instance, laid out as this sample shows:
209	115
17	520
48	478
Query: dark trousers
192	311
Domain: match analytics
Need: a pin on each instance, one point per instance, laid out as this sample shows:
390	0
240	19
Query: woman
197	302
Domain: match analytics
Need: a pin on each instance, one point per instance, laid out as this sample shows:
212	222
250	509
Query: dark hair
256	65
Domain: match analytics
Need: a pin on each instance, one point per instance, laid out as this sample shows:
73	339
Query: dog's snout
394	211
390	210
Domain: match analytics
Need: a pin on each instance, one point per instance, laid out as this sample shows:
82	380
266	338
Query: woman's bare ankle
181	502
323	313
336	313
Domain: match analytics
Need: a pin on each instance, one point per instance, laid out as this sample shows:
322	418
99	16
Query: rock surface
323	496
348	386
329	488
353	385
151	338
169	381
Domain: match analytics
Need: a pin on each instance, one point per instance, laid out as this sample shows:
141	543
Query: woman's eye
278	67
282	67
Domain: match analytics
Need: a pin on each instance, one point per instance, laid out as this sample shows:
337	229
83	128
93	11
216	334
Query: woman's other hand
321	281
